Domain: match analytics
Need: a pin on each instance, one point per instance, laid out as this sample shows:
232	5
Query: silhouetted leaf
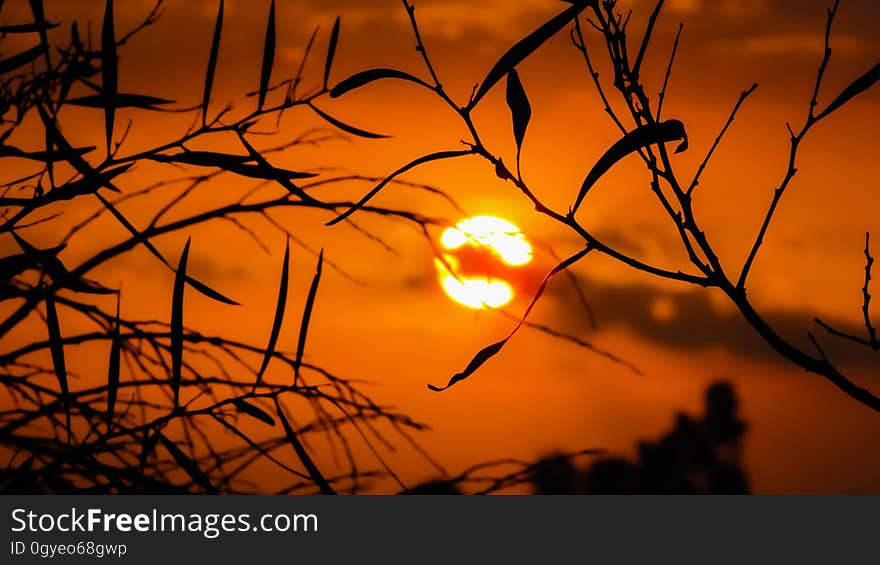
280	179
50	161
520	109
206	290
212	63
331	51
177	325
122	100
69	77
362	78
279	313
268	173
415	163
301	452
109	72
113	368
858	86
44	156
232	163
138	236
525	47
188	465
346	127
56	348
307	316
27	28
639	138
268	57
42	25
492	350
253	411
67	280
479	359
21	59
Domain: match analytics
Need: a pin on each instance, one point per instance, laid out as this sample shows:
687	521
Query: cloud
795	43
695	319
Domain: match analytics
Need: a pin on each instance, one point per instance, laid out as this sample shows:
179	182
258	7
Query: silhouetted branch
742	98
648	138
662	95
169	388
871	341
866	293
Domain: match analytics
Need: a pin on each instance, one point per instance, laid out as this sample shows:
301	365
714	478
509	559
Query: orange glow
508	247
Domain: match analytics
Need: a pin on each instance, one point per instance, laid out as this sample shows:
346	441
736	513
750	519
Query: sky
383	317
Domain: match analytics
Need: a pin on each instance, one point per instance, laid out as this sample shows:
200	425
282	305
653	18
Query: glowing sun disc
508	246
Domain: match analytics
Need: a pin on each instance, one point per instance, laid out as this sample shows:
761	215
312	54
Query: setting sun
477	251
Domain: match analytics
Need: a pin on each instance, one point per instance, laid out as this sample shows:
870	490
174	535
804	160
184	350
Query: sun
477	253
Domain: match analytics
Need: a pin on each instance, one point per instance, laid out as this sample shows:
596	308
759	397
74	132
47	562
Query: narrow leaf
138	236
479	359
307	315
188	465
206	290
526	46
212	63
20	59
344	126
291	89
56	347
412	164
492	350
232	163
280	179
860	85
27	28
366	77
253	411
520	109
279	313
113	369
268	57
637	139
331	51
177	325
122	100
50	161
268	173
109	72
301	452
42	25
45	156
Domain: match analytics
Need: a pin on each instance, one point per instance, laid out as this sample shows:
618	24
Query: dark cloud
689	319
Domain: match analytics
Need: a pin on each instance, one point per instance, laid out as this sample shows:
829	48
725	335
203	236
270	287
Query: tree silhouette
151	426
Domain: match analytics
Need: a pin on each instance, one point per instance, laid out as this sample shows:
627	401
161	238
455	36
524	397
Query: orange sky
399	331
